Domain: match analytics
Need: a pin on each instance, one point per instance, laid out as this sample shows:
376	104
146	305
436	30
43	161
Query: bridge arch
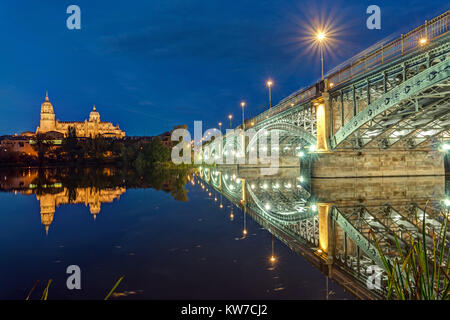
290	136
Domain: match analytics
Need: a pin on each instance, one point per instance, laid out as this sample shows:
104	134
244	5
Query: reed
419	272
114	288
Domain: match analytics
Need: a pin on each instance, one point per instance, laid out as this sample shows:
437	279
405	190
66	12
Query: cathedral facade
85	129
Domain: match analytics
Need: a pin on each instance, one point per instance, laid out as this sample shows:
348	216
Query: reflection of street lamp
320	36
243	122
230	117
269	84
244	231
272	257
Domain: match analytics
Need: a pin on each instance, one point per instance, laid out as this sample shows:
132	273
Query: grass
419	272
45	292
114	288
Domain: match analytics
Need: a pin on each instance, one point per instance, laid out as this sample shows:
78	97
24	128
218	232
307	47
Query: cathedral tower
47	117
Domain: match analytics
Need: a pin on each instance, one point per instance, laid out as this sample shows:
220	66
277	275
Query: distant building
87	129
20	144
166	139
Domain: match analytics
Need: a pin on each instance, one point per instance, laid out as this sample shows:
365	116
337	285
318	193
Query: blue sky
150	65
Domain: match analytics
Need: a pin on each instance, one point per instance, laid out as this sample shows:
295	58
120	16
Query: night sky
151	65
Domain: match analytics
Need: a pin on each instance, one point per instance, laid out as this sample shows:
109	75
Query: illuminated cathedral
84	129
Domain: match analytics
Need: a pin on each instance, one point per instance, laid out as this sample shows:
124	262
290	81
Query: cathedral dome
46	106
94	116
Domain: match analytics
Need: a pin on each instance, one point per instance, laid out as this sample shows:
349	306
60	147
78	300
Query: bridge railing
300	96
429	31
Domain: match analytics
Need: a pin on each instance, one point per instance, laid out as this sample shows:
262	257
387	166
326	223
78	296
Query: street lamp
320	36
230	117
269	84
243	121
220	127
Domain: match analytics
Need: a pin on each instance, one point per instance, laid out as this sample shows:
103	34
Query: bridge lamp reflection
272	257
264	186
252	186
312	148
301	154
447	202
445	147
267	206
314	207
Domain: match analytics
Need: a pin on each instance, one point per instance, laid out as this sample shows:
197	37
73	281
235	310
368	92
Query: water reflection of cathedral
90	197
53	195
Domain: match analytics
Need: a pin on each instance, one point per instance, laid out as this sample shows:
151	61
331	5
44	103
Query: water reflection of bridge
328	221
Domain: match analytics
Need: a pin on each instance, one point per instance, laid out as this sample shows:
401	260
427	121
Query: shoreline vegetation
141	154
421	270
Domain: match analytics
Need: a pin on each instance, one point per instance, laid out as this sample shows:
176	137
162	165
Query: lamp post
320	38
230	117
220	127
269	84
243	119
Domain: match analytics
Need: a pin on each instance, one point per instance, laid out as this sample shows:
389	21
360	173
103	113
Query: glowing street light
243	122
320	37
447	202
230	116
423	41
220	127
269	84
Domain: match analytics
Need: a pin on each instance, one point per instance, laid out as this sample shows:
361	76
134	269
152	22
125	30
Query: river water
209	234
